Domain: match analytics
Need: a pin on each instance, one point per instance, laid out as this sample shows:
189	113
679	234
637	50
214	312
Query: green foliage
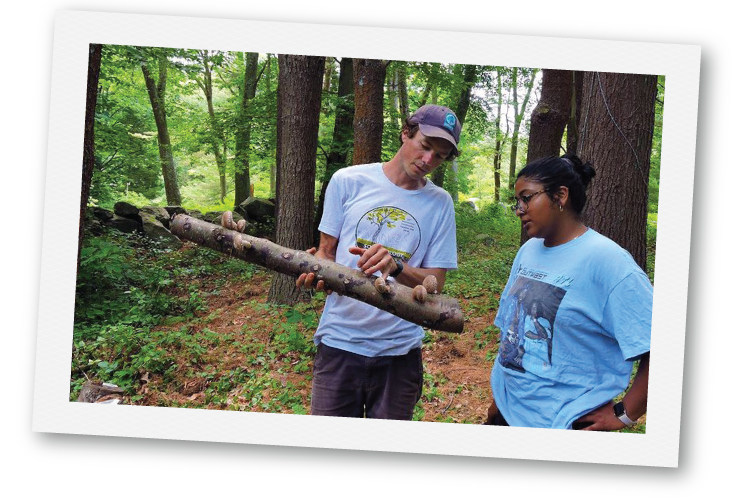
651	245
655	167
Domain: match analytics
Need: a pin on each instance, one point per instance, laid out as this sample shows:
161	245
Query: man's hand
305	280
374	259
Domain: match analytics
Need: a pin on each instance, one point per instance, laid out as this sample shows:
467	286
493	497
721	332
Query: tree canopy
220	110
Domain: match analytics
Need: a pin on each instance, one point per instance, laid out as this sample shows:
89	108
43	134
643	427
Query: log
437	312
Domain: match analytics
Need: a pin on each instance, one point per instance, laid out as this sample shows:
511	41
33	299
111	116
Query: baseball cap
438	121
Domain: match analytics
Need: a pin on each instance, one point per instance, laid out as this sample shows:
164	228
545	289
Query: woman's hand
305	280
601	419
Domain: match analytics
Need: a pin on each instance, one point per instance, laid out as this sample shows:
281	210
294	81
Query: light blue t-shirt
363	207
573	318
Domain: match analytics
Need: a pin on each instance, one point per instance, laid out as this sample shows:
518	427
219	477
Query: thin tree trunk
327	74
519	113
575	113
431	82
342	134
461	107
242	138
300	89
274	141
369	79
438	312
92	88
616	136
156	94
393	113
500	138
403	96
218	141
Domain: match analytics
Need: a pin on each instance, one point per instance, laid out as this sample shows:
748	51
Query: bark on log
437	312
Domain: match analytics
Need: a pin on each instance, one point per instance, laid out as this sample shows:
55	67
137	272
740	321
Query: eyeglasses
522	203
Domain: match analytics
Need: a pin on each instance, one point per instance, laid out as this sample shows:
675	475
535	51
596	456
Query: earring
561	208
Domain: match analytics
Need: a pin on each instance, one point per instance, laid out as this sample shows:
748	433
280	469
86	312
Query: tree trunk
300	89
218	141
92	87
433	72
327	74
551	114
519	113
393	113
403	95
369	77
461	107
500	138
342	135
616	136
438	312
156	94
274	141
242	138
575	113
549	118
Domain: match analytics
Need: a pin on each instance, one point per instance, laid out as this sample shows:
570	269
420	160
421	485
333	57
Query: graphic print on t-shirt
393	228
528	320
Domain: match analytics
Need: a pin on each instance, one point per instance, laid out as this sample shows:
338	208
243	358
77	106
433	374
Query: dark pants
350	385
494	417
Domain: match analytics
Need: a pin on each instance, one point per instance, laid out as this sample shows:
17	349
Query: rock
101	214
124	224
125	209
256	209
155	231
485	239
160	213
174	209
469	204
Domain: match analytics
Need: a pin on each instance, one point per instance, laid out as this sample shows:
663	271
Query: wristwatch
399	268
620	414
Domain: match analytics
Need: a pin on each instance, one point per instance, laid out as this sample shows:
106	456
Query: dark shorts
351	385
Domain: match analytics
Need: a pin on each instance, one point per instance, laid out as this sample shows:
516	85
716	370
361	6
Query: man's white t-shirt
363	207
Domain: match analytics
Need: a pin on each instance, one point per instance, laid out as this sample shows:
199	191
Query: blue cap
438	121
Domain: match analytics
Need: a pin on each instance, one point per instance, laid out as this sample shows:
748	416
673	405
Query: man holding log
385	218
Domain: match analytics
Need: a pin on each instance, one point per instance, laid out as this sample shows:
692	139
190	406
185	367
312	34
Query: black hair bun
584	170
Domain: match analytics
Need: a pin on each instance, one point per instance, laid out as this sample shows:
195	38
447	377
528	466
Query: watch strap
622	415
399	268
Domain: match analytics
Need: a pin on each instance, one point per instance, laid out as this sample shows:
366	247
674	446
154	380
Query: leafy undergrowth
192	328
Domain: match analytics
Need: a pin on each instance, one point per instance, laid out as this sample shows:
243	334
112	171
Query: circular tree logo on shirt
393	228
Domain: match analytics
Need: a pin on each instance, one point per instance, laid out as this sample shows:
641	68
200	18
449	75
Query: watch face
619	409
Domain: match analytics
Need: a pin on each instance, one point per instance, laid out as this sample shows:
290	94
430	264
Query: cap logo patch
450	122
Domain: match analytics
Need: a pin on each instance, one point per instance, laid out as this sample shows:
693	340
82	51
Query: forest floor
267	352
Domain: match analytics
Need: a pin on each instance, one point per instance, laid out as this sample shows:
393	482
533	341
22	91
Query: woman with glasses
574	315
